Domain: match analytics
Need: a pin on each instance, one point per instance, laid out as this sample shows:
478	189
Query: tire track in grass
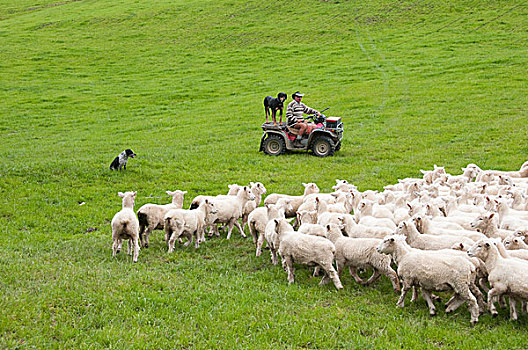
379	67
499	16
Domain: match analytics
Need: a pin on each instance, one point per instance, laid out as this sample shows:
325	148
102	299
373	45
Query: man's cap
297	93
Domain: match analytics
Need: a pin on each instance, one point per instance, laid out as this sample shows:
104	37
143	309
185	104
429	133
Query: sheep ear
392	239
120	194
206	201
304	184
487	244
461	246
134	193
170	193
491	215
251	183
328	227
184	192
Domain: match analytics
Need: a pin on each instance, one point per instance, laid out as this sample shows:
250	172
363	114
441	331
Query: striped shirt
295	111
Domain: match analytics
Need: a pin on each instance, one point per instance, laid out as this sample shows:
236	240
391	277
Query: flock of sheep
465	233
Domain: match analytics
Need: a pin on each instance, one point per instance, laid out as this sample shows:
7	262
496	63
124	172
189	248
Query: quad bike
324	139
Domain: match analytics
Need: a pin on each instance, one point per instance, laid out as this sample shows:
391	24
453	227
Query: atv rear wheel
274	145
323	146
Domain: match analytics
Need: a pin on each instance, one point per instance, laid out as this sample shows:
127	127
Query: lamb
360	253
367	214
506	276
296	201
258	190
514	243
230	209
186	223
432	271
259	218
233	191
125	225
487	224
307	250
151	216
425	225
428	242
271	234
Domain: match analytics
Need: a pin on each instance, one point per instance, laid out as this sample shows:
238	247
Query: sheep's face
481	222
386	246
310	188
402	228
480	249
508	243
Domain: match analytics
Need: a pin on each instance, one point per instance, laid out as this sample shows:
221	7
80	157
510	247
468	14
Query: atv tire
338	146
274	145
323	146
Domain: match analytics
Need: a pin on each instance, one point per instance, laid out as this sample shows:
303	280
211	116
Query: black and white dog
121	160
275	104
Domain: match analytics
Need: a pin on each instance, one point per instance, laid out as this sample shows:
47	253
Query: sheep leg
373	278
119	244
115	247
513	309
454	303
172	241
317	271
252	231
427	296
393	276
260	242
480	297
405	289
470	299
483	285
414	294
237	224
493	292
353	273
244	221
332	273
231	223
148	231
135	244
273	255
289	268
129	247
141	234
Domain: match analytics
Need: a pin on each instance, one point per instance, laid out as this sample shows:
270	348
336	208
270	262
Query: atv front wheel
274	145
323	146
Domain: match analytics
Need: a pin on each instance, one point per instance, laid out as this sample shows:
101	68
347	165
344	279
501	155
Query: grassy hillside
417	83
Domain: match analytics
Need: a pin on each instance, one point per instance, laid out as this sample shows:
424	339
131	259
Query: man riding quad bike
323	135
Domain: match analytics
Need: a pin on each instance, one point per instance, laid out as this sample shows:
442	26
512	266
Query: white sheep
296	201
426	241
488	225
259	218
432	271
360	253
151	216
307	250
125	225
187	223
233	191
258	190
514	243
425	225
506	276
230	209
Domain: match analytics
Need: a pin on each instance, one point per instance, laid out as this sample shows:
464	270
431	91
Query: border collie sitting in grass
121	160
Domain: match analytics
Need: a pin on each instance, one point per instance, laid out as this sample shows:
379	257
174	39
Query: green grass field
417	83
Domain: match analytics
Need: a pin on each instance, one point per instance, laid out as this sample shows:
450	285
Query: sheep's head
480	249
310	188
388	245
257	187
482	222
128	198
